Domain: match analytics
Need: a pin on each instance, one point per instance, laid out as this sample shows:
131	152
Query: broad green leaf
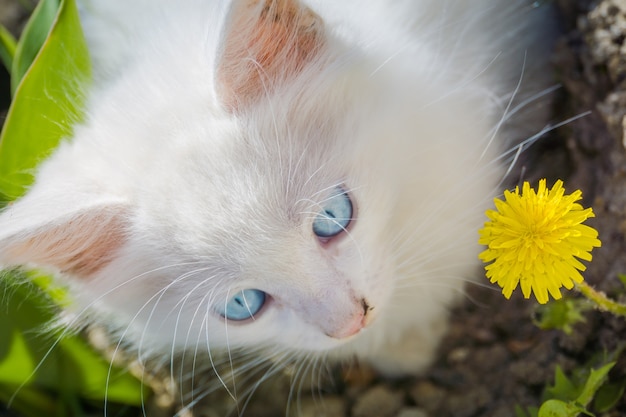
608	395
560	314
528	412
569	399
7	48
558	408
563	389
49	98
56	363
30	402
597	377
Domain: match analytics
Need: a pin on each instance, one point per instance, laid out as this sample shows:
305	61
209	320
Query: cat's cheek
304	336
278	328
305	325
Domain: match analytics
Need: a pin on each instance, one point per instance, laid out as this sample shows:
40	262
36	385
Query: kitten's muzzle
353	324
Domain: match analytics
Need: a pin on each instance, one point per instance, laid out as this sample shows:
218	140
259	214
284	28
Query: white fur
404	108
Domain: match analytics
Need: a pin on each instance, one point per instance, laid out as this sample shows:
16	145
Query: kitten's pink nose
354	325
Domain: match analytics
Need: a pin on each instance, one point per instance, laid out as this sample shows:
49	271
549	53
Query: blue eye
335	215
243	305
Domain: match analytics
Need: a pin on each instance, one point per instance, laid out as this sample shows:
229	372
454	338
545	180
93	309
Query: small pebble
469	404
427	395
378	401
326	406
458	355
411	412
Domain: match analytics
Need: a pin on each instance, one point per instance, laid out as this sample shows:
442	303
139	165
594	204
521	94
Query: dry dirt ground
494	357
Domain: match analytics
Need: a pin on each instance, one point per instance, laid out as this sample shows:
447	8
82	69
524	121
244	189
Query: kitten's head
254	197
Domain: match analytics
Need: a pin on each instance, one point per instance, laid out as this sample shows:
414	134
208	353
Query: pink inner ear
80	246
268	42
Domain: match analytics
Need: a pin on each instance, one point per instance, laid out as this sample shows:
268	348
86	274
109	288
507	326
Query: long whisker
69	326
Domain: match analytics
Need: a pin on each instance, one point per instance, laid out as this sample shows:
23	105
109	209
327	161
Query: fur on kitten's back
281	176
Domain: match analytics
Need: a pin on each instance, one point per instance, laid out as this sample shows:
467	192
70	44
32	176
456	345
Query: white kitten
281	175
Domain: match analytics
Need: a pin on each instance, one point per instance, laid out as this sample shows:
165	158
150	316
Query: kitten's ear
265	43
61	235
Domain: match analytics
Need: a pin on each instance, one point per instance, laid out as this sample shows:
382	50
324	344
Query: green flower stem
601	300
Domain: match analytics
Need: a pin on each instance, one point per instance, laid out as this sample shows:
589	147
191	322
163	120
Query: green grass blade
32	39
7	47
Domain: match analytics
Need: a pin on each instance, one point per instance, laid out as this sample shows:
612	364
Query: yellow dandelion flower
535	239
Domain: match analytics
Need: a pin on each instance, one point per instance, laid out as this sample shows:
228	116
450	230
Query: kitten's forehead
296	144
261	179
240	177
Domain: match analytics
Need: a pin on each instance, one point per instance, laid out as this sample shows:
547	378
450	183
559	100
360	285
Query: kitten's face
261	230
265	208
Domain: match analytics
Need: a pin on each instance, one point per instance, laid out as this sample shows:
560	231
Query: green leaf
49	98
519	411
7	47
64	364
563	389
558	408
597	377
577	397
608	395
32	39
30	402
560	314
529	412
